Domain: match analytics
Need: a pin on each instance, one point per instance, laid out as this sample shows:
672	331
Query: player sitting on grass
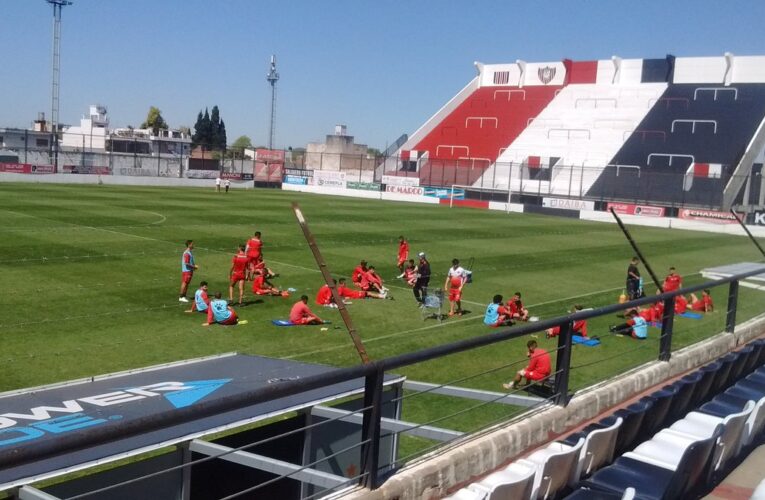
358	273
703	305
324	296
349	293
236	274
517	311
201	300
261	286
673	281
372	282
654	313
221	313
635	327
538	369
301	314
410	273
579	327
681	304
497	314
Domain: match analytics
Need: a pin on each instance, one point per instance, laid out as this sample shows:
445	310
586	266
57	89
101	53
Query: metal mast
57	5
272	78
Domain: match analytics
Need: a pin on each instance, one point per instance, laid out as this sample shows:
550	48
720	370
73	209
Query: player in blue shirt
221	313
496	314
187	270
636	326
201	300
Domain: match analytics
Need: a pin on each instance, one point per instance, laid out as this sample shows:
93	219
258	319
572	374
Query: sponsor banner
136	172
42	169
16	168
364	186
329	178
86	169
294	179
567	204
395	180
202	174
408	190
269	155
237	176
442	192
630	209
268	172
757	218
299	172
708	216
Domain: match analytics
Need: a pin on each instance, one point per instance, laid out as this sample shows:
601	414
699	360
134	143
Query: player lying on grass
636	327
497	314
403	254
221	313
455	280
187	270
236	274
301	314
201	300
349	293
654	313
261	285
515	306
579	327
538	369
705	304
254	253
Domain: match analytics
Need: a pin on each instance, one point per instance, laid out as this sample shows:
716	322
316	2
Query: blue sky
380	67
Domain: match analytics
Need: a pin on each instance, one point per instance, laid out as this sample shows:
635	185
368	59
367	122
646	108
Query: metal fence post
667	321
370	429
563	364
730	318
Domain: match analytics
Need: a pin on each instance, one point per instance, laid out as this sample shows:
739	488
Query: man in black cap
423	278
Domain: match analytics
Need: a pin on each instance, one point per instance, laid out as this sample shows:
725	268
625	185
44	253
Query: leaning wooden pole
637	251
330	282
748	233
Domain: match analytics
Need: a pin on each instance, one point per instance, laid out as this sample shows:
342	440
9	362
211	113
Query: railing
369	473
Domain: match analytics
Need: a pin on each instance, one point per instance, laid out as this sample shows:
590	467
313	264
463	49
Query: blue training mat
692	315
282	322
578	339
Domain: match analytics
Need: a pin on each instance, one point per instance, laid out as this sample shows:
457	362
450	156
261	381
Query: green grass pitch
91	276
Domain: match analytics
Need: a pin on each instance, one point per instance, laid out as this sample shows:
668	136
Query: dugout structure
311	436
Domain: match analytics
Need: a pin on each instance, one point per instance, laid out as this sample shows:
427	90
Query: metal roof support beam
477	394
390	424
267	464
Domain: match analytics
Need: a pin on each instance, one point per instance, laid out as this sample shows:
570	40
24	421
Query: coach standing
633	279
423	278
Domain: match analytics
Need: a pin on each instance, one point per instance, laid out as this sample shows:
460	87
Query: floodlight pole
637	251
57	5
272	78
748	233
330	282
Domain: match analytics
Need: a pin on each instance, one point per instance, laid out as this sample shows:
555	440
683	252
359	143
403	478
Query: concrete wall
118	180
471	458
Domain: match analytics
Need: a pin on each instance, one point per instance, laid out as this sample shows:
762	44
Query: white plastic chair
556	465
466	494
598	450
513	482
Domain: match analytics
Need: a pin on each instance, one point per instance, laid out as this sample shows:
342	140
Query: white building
91	134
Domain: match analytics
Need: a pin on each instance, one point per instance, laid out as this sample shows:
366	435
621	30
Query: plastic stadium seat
466	494
697	425
632	417
754	357
515	481
701	391
658	480
734	400
742	360
598	450
721	376
686	388
732	359
588	494
656	416
556	464
712	370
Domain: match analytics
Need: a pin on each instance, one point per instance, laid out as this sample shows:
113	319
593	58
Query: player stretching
403	254
236	274
254	254
221	313
187	270
261	286
301	314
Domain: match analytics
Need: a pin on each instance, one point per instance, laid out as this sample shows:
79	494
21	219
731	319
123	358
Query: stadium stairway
692	138
678	442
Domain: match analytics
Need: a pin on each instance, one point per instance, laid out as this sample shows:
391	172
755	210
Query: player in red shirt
681	304
403	254
579	327
539	367
517	311
372	282
358	272
410	273
455	295
254	253
261	286
703	305
349	293
301	314
673	281
236	274
324	296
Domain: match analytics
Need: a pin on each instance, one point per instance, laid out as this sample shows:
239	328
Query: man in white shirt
217	183
455	280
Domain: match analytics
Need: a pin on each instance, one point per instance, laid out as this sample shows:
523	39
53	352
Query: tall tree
210	131
197	139
154	120
222	135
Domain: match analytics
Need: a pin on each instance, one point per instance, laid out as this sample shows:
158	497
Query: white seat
514	481
701	426
755	423
466	494
598	449
556	465
665	449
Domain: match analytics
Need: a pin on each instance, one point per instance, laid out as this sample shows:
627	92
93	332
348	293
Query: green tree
203	131
154	120
239	145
